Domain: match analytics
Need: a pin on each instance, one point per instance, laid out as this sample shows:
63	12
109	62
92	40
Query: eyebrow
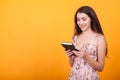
81	17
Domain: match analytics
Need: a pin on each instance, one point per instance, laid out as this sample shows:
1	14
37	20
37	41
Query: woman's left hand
79	53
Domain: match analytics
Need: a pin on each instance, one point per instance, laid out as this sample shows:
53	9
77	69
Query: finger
68	50
65	49
69	54
75	51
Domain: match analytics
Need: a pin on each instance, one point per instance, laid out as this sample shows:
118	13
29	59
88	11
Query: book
69	46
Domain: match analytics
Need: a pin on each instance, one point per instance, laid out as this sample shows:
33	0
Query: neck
87	32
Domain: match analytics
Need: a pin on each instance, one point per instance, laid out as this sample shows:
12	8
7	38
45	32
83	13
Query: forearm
95	64
71	60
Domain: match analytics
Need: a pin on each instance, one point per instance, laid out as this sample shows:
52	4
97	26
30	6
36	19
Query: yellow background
31	32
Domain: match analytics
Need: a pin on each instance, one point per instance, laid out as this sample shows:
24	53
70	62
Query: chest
85	44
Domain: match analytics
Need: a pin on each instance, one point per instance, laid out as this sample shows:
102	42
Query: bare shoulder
101	39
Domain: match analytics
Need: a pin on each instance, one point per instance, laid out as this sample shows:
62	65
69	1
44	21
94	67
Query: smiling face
83	21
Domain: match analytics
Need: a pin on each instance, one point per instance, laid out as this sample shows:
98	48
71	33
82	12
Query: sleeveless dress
81	69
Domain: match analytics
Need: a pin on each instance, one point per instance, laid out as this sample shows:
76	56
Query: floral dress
81	69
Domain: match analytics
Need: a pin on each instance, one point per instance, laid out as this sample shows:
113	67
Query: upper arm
101	49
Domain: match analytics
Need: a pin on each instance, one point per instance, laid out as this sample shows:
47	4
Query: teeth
82	26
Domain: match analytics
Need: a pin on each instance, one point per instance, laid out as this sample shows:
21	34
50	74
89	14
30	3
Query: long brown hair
95	24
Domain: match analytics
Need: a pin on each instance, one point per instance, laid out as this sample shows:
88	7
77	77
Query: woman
90	41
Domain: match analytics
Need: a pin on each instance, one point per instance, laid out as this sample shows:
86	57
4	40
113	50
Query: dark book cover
69	46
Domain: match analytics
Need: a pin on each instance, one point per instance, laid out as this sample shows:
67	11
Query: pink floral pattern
81	69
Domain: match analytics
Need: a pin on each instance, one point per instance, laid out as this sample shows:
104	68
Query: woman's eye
84	19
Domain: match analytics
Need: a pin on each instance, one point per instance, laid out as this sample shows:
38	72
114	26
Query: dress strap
95	38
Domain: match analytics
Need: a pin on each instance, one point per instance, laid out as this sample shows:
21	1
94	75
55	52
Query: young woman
90	41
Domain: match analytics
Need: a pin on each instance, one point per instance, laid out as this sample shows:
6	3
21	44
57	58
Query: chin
83	30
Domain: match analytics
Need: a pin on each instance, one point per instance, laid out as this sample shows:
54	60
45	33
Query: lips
82	26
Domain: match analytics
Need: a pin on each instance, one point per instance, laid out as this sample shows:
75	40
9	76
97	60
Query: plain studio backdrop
31	32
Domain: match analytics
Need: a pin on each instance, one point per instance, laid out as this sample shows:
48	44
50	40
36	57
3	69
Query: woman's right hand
69	53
